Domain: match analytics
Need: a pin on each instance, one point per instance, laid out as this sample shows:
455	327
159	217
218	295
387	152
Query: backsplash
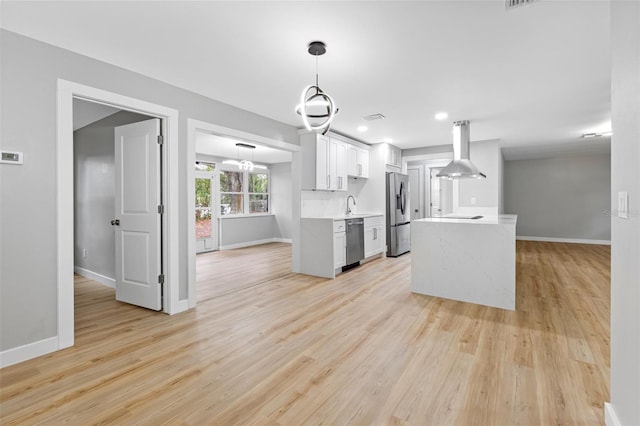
328	203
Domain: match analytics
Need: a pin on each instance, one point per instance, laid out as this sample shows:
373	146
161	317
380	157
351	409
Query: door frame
420	189
193	127
66	91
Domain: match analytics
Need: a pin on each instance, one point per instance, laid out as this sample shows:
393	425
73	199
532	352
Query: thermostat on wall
11	157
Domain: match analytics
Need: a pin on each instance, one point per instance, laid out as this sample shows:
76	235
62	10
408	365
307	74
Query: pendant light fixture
316	107
244	164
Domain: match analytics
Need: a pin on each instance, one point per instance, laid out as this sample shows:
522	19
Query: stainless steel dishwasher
355	242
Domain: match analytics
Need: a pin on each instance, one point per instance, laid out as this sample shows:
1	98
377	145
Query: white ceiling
219	146
538	75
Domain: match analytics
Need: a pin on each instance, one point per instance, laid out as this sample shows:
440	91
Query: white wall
281	202
94	183
625	233
28	86
245	230
564	197
485	155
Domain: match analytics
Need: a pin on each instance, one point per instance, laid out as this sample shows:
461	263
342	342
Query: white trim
29	351
193	127
564	240
102	279
244	216
610	417
283	240
66	91
253	243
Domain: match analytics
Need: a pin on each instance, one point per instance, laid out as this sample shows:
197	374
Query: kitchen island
471	260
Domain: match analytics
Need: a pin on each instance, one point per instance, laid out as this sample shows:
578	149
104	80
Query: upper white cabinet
358	159
393	156
326	162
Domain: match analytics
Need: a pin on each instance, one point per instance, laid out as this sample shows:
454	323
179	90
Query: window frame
245	191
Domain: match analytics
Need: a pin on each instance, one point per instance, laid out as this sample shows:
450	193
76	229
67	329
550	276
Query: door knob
115	222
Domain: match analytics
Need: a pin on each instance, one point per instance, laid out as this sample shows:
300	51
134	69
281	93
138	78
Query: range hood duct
461	167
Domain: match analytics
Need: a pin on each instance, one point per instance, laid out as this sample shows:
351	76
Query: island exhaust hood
461	166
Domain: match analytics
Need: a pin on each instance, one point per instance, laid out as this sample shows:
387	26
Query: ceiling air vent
510	4
373	117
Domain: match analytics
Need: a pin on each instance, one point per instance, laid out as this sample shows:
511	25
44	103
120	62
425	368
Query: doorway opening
440	194
68	91
94	187
243	193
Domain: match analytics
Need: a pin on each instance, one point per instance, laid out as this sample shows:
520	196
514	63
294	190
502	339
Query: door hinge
161	279
160	208
160	140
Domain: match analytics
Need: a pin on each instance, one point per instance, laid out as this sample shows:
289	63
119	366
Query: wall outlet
473	201
623	204
84	253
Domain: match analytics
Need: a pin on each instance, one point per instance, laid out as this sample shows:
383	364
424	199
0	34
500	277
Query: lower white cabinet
373	235
339	249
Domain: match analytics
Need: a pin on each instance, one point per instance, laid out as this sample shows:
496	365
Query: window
258	193
231	193
243	192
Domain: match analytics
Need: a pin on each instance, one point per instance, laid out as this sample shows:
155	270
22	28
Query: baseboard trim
282	240
610	417
109	282
28	351
181	306
255	243
564	240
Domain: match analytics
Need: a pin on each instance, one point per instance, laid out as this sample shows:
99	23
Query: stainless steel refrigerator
398	214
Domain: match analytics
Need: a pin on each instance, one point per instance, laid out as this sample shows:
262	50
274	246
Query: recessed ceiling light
362	128
441	115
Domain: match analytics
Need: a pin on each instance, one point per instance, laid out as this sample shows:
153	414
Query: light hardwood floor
268	347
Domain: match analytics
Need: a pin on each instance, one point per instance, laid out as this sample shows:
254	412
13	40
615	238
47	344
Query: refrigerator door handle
402	198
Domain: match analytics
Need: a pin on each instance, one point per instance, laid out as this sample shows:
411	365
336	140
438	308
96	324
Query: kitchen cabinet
324	163
337	165
373	236
393	156
358	159
339	244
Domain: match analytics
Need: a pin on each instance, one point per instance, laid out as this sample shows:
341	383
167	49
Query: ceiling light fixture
244	164
316	107
441	116
362	128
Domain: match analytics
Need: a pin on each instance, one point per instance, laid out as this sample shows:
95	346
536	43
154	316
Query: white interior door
138	216
414	194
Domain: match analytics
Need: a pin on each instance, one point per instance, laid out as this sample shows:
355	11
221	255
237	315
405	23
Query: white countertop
502	219
351	216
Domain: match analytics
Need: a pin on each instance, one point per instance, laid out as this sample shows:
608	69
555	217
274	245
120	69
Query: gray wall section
28	84
485	155
94	191
281	203
244	229
565	197
625	233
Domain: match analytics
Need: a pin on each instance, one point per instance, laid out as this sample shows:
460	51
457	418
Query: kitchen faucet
354	203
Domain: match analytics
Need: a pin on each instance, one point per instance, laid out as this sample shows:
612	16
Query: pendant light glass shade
316	108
